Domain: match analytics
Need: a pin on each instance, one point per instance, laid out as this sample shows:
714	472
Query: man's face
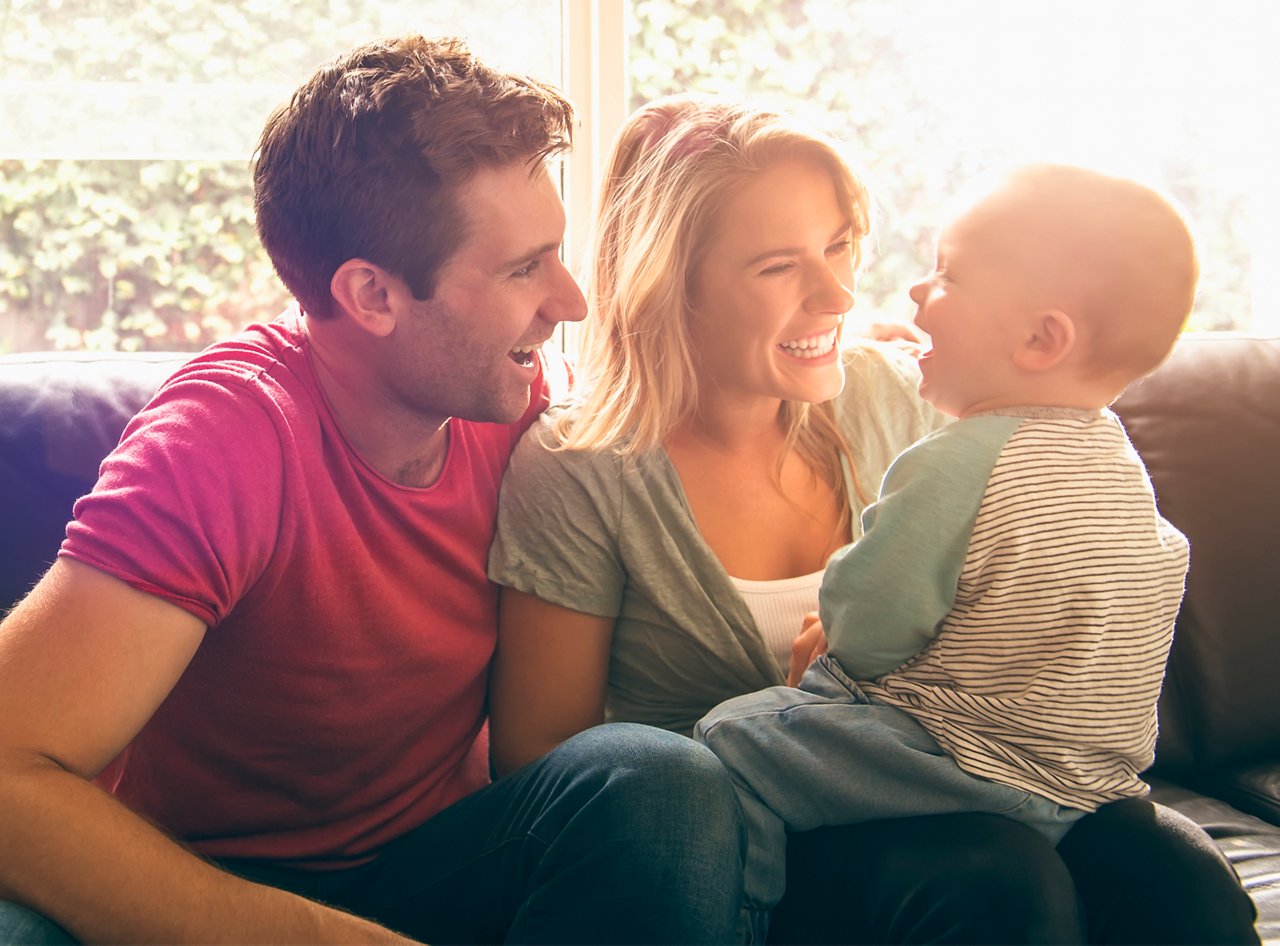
469	350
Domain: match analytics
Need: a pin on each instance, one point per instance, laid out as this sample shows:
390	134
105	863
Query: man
267	634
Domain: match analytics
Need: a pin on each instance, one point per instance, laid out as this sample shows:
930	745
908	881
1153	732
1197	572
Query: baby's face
972	308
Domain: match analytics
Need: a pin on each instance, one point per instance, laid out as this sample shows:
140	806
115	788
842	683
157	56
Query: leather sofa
1207	423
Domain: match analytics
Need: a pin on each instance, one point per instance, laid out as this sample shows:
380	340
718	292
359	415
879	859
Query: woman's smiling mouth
815	346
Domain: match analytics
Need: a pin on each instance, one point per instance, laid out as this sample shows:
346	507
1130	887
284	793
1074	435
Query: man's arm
84	662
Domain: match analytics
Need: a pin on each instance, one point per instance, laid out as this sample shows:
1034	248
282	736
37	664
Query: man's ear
368	295
1050	337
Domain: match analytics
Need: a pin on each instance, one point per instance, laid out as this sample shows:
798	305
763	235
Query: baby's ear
1050	337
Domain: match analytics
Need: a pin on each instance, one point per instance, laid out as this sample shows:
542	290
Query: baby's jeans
824	755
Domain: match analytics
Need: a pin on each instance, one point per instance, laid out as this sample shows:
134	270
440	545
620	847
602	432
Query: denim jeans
624	834
824	755
20	927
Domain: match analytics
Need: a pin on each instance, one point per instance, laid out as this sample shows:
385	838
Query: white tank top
778	608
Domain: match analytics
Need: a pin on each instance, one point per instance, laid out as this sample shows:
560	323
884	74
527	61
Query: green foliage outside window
149	244
128	224
129	255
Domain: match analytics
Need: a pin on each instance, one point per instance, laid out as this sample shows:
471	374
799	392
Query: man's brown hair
365	160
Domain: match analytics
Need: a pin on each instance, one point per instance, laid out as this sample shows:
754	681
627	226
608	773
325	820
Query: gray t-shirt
597	533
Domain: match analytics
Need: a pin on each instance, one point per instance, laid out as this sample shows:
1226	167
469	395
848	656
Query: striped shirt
1049	584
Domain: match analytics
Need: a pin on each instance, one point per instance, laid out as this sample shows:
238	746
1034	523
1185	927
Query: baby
998	636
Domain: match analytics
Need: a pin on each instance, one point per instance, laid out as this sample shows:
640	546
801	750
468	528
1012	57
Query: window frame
594	75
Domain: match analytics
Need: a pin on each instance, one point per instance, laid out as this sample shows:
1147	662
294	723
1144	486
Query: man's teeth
813	347
523	354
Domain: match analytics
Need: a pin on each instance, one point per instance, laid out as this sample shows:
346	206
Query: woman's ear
367	294
1051	336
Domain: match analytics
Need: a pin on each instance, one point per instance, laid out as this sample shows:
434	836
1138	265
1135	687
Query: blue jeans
824	755
624	834
20	927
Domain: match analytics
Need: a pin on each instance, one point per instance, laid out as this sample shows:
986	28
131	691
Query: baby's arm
883	597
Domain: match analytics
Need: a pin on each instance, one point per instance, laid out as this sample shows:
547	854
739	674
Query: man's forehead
509	213
498	188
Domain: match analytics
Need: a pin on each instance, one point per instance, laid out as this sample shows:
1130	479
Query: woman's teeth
813	347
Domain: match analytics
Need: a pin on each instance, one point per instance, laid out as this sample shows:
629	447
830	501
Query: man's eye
526	270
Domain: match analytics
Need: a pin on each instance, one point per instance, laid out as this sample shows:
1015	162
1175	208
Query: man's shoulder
258	350
253	387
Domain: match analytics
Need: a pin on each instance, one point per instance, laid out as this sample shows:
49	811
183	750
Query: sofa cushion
1254	789
60	414
1250	845
1207	423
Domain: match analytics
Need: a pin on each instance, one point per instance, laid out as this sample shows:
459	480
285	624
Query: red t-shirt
337	700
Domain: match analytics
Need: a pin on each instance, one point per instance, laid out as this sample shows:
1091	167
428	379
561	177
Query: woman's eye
776	269
839	247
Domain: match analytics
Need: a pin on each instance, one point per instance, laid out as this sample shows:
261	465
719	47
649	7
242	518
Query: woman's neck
760	507
740	429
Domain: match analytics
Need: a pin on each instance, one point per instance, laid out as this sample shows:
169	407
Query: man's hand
805	649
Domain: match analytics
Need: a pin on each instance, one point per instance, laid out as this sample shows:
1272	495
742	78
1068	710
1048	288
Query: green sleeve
884	596
557	531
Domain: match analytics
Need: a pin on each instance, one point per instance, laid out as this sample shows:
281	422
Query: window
125	194
926	93
125	204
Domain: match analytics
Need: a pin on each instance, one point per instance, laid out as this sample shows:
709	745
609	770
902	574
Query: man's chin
508	410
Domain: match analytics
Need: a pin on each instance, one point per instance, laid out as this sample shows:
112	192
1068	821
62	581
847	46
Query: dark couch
1207	424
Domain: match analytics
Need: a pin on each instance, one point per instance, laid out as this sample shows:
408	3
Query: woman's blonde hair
675	164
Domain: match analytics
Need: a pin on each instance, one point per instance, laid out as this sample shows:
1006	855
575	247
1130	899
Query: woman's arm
548	680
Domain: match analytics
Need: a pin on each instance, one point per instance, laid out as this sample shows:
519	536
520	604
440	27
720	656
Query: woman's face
771	292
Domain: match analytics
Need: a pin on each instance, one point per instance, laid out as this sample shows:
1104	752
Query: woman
661	540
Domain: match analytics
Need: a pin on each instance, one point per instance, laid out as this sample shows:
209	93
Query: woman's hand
902	333
805	649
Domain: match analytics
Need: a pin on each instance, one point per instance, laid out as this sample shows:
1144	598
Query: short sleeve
881	407
557	534
187	507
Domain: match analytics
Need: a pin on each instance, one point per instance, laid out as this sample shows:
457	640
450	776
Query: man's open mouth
523	354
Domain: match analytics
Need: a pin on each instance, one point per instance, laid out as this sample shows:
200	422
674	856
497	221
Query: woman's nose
831	294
